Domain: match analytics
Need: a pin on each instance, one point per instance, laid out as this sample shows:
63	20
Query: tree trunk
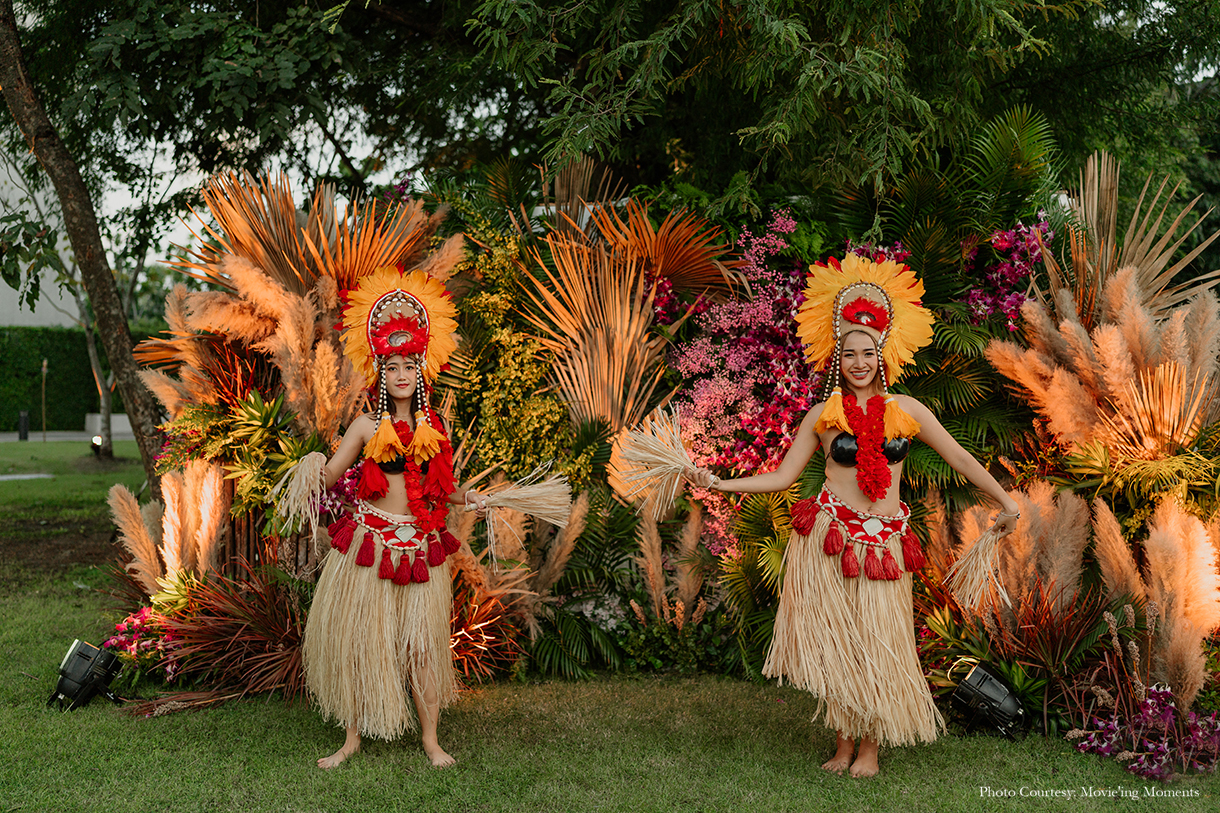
99	379
80	221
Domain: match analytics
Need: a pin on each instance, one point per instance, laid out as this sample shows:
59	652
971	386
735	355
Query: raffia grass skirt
369	642
851	643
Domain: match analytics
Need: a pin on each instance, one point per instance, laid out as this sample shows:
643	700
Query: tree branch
80	221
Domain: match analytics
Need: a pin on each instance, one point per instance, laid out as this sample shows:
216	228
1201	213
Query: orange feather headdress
882	299
390	313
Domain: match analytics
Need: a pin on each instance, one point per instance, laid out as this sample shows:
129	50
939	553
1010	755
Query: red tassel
403	574
832	545
872	565
386	571
889	567
436	553
849	564
365	557
912	555
449	542
373	485
804	513
419	571
341	533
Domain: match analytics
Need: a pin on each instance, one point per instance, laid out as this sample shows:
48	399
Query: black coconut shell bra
843	449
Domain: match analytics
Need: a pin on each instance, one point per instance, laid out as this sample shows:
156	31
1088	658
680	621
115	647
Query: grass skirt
851	643
367	639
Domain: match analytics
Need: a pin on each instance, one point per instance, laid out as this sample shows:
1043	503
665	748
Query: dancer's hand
476	502
1006	521
701	477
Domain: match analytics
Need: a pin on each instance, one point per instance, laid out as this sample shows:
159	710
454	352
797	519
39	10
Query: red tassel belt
407	553
874	531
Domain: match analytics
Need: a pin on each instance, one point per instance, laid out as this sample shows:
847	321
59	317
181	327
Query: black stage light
85	671
984	697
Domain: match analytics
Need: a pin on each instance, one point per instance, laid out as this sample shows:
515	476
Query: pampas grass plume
145	564
1113	554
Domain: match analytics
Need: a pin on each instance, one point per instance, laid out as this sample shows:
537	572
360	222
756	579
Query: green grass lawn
80	481
644	744
697	744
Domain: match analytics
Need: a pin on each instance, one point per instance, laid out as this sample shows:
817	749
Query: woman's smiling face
858	360
401	377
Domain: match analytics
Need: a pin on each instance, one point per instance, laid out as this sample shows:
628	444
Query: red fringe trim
341	533
365	557
872	565
849	564
832	545
449	542
373	484
889	567
804	513
419	570
912	555
386	570
403	574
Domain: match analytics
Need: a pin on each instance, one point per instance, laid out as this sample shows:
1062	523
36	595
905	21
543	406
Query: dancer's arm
353	441
803	446
932	433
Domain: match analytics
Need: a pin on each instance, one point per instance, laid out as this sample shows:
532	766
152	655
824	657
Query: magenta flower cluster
747	383
878	253
1159	740
140	644
1003	269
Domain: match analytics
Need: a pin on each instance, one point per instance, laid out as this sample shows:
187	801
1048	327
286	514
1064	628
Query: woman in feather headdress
844	626
378	628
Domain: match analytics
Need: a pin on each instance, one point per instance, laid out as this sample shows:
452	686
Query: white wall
45	312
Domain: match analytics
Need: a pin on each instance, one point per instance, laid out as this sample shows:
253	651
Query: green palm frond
953	333
1012	160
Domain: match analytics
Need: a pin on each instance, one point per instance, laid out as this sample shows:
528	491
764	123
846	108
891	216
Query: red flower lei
427	494
872	470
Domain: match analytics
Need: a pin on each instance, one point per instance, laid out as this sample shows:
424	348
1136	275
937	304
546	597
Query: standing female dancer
846	636
379	624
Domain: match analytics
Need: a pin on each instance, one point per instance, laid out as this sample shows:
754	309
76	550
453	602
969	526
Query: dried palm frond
1164	414
655	461
681	249
594	312
1097	255
564	195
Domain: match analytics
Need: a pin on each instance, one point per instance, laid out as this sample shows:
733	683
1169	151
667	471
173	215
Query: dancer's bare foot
338	758
845	747
351	745
866	760
438	756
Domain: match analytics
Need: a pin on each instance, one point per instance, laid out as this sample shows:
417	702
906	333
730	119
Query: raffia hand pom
298	494
656	461
972	577
549	500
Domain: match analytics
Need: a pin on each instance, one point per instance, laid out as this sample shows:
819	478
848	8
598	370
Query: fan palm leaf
594	312
682	249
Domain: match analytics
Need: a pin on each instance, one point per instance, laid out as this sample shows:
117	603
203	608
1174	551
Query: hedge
70	389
